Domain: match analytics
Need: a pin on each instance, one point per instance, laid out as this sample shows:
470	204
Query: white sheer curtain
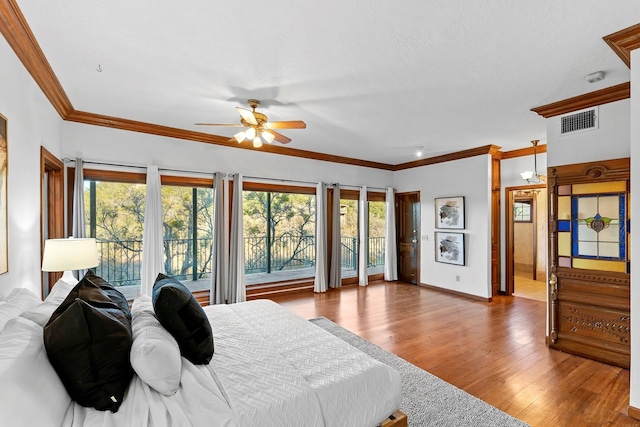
78	222
152	237
390	249
335	276
219	244
320	283
237	287
78	227
363	238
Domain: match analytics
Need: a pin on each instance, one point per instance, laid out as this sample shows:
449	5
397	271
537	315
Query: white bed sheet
270	368
352	388
198	402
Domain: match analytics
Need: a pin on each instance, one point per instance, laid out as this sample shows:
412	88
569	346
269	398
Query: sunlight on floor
525	287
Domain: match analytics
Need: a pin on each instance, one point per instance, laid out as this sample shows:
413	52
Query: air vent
579	122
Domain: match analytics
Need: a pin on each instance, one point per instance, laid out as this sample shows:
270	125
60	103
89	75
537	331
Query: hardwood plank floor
495	351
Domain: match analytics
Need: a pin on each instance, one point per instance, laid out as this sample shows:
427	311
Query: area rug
426	399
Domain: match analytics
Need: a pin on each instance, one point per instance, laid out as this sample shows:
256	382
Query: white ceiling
372	80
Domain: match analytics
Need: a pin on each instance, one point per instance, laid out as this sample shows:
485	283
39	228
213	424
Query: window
349	234
279	233
522	211
349	238
377	234
114	215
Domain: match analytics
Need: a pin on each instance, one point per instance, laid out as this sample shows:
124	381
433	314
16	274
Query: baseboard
633	412
458	293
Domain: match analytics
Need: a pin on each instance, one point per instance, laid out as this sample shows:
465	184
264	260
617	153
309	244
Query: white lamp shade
526	175
251	133
69	254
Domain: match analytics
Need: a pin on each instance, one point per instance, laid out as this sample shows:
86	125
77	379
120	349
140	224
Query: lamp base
69	278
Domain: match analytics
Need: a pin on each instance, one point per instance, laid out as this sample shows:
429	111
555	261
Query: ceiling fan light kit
259	128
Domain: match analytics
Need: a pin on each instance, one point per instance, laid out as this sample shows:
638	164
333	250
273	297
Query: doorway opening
527	235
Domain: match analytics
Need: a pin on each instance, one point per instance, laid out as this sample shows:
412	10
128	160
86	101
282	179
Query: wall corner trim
624	41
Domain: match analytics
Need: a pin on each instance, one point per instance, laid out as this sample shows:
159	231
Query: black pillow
88	340
180	313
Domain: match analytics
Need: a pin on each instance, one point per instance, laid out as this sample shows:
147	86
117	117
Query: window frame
124	177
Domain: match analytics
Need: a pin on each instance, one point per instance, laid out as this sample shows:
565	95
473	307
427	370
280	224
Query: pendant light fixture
532	177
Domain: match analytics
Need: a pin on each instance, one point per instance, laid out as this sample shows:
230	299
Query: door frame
509	232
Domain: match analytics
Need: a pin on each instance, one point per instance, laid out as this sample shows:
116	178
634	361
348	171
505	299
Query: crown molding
521	152
591	99
624	41
166	131
486	149
16	31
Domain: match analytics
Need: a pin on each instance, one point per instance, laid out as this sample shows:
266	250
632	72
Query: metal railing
120	260
349	252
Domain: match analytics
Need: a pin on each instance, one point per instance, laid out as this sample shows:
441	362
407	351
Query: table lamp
69	254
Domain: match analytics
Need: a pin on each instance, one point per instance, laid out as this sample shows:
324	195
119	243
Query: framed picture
4	246
450	212
449	247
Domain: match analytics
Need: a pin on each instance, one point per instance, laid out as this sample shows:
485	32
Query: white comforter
270	368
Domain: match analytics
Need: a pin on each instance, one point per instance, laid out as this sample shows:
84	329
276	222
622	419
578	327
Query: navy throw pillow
88	340
180	313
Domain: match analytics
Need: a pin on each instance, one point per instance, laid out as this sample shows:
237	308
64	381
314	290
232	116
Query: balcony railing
186	259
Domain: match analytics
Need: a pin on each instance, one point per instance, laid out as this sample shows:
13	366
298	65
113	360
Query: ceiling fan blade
247	115
280	137
291	124
220	124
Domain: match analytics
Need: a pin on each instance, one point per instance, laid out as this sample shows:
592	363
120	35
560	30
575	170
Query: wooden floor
524	286
495	351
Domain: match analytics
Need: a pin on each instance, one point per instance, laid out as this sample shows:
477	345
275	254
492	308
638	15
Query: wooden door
408	214
589	290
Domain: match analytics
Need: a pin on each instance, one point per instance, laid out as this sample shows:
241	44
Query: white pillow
155	355
31	393
18	301
42	313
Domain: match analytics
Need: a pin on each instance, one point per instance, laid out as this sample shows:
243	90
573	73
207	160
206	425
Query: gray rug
426	399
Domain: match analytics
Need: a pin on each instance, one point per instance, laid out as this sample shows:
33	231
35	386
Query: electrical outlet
457	278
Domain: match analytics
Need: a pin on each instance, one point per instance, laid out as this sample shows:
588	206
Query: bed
270	367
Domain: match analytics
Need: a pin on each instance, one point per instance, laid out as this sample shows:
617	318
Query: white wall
634	397
118	146
469	178
31	122
510	170
609	141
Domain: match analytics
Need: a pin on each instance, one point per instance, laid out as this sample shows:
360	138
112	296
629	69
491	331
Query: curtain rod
123	165
92	162
310	182
280	180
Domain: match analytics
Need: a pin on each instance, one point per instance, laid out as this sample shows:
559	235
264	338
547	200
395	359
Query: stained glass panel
522	211
596	264
597	230
600	187
564	207
564	244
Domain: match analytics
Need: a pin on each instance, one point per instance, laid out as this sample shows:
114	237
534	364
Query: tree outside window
279	232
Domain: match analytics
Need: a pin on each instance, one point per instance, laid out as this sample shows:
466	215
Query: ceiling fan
258	127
